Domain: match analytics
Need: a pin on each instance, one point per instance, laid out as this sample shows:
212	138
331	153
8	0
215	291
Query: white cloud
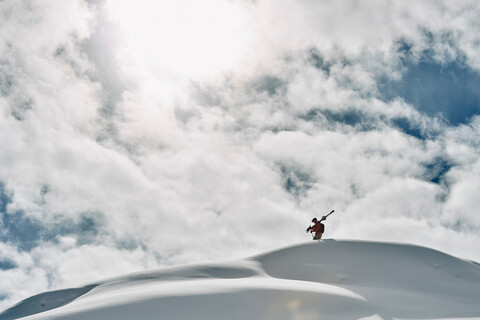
178	169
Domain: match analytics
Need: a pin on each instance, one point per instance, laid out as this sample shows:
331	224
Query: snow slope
319	280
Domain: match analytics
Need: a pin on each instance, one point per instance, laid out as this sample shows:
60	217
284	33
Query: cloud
330	105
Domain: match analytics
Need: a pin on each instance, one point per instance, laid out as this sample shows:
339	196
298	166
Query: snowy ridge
318	280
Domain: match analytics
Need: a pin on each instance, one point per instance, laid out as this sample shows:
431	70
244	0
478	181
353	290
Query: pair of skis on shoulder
325	217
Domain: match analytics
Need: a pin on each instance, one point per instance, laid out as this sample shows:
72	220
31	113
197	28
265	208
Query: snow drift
320	280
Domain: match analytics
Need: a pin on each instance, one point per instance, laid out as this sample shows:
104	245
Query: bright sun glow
186	38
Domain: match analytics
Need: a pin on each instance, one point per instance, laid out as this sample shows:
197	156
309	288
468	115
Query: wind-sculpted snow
319	280
44	301
397	280
378	264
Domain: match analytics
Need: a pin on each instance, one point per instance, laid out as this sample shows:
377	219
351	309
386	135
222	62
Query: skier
318	227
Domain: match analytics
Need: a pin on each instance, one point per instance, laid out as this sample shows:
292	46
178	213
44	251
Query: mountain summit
328	279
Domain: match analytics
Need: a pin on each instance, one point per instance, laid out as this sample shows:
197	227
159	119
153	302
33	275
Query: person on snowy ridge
318	227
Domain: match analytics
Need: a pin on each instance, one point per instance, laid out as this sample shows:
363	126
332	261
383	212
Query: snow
327	279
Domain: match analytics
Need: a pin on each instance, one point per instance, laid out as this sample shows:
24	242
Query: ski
325	217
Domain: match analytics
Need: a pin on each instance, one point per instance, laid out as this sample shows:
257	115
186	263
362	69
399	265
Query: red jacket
318	227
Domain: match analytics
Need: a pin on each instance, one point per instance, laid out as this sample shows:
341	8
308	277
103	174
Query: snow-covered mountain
328	279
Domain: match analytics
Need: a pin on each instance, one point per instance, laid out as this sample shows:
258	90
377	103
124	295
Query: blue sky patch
450	91
7	264
27	232
351	117
407	127
296	180
437	169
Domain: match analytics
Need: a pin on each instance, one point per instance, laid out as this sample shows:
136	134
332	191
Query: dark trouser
318	236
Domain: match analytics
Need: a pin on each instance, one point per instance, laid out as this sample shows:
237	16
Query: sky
142	134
